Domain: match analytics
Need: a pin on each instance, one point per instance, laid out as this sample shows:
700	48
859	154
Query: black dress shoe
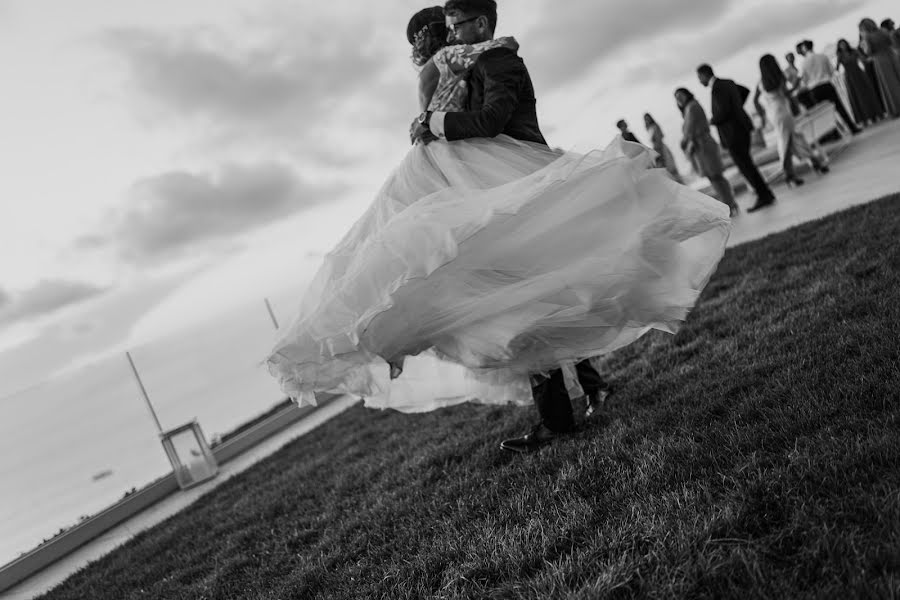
537	438
762	203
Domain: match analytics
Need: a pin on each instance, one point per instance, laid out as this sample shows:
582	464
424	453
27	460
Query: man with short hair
734	126
501	101
815	75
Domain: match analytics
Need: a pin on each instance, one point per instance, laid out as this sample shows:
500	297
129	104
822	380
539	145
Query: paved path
867	169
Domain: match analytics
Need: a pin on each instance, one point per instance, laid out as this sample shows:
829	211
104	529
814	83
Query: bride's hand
413	127
417	132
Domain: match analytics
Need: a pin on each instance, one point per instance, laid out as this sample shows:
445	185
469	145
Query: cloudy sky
159	153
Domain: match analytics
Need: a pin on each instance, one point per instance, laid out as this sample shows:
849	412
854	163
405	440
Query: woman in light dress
665	159
776	109
701	148
499	258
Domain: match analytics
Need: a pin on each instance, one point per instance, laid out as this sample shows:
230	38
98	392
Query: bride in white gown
489	259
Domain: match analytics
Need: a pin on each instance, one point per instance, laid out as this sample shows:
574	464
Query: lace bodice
453	63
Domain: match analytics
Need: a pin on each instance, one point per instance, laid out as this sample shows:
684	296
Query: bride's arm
428	80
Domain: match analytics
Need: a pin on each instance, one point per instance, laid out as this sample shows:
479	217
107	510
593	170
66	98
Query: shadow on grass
754	453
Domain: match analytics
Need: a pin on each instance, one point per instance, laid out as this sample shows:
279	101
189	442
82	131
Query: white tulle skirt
487	260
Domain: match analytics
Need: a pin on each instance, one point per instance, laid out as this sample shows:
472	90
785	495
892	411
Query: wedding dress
484	260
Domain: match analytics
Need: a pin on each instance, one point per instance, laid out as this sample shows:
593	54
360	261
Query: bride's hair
427	34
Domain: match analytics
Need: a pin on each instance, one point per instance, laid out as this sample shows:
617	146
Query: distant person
791	72
888	26
666	159
777	110
877	45
734	127
863	97
626	133
815	74
869	68
799	91
701	149
792	77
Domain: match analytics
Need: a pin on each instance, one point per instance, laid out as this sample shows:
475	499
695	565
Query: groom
501	101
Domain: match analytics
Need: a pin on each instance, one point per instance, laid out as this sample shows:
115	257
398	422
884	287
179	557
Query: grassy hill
755	454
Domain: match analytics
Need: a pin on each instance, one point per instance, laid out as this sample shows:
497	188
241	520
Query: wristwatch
425	119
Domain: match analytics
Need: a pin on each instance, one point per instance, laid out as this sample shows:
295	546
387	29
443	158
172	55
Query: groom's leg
595	388
591	381
552	401
554	406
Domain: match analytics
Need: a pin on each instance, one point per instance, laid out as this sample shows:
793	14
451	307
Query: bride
492	259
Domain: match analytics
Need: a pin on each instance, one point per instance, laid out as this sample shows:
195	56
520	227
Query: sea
77	442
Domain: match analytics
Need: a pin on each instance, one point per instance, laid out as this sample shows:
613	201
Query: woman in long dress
701	148
504	257
877	45
777	111
863	98
666	159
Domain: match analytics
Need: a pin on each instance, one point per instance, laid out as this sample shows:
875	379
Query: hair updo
427	33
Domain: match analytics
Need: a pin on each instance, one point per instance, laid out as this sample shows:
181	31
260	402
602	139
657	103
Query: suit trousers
826	91
552	398
739	148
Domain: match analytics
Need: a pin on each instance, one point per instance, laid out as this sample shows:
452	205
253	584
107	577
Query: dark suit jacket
728	113
501	100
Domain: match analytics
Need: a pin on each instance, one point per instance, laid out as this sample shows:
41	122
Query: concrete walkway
867	169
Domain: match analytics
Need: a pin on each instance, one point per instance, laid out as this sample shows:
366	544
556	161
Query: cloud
567	43
5	298
45	297
283	79
736	33
166	214
589	34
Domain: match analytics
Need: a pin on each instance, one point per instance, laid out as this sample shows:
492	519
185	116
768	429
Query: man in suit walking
501	101
734	126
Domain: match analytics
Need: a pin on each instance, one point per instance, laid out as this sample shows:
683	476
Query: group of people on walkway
871	73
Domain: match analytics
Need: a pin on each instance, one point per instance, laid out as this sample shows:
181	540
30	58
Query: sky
166	160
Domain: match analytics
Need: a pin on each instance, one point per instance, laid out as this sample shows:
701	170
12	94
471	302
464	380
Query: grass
755	454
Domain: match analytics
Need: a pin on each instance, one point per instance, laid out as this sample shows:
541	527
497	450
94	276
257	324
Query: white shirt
436	124
816	70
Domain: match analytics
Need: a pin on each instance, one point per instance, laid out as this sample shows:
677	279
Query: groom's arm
504	73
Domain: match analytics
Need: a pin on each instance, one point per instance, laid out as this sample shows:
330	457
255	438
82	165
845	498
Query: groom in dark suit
735	127
501	101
